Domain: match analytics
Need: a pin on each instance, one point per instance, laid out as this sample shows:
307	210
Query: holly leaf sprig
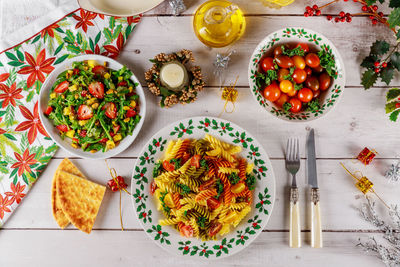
381	63
393	104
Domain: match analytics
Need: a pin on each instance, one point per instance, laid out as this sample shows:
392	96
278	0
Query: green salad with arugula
96	107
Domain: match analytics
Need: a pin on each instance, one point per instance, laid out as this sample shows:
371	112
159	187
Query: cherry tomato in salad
85	112
213	203
130	113
116	128
104	140
324	81
111	110
122	83
317	93
84	93
272	92
295	105
83	133
267	64
305	95
308	70
318	69
62	127
153	187
312	83
99	70
312	60
286	86
304	46
97	89
168	166
62	87
299	75
282	100
299	62
214	228
292	92
49	109
282	73
284	61
186	231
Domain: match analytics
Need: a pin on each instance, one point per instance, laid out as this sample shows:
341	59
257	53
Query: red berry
384	65
348	15
374	21
397	105
343	19
377	70
337	19
375	7
308	8
364	8
318	12
342	14
371	17
315	7
380	14
306	14
348	19
376	64
329	17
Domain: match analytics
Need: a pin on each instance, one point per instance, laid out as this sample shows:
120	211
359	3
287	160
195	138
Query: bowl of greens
92	106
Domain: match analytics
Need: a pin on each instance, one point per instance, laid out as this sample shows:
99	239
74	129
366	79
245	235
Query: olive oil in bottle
218	23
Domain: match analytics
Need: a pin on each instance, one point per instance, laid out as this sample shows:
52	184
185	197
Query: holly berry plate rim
304	35
66	143
169	238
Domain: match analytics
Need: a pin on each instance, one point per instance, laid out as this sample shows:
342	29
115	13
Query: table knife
316	229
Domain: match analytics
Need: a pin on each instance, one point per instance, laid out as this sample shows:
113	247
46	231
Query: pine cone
187	54
196	70
184	97
170	100
154	89
171	57
160	57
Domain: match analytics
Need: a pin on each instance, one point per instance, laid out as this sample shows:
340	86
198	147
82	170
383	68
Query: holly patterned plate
314	39
168	237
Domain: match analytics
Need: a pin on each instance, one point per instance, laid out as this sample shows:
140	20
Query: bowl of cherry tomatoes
296	74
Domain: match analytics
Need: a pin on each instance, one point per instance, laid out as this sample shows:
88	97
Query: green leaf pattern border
168	237
295	34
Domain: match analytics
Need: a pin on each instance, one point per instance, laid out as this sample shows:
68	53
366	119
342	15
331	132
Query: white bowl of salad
92	106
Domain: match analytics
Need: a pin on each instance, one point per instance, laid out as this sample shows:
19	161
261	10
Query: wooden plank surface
31	235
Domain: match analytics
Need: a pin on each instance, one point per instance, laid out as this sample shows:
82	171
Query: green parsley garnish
298	51
176	162
251	181
234	178
201	222
287	106
313	105
185	188
327	61
220	188
157	168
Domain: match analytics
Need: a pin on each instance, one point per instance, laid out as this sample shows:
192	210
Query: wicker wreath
189	91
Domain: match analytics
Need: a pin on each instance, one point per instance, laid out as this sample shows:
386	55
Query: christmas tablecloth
25	148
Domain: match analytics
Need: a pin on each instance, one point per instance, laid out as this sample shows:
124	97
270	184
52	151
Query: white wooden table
32	237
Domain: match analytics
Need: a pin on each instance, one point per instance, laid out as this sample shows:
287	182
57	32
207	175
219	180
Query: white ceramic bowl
298	35
66	143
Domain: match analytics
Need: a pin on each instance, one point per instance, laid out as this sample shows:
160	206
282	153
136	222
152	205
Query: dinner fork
293	165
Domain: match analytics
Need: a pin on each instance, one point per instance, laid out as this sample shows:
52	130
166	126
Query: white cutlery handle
294	230
316	228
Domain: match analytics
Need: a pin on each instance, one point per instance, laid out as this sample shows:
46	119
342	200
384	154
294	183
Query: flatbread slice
80	199
67	166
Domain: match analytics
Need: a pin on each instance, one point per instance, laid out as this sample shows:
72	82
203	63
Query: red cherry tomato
282	73
85	112
62	127
299	75
272	92
168	166
153	187
324	81
99	70
308	70
84	93
303	46
284	61
305	95
186	231
104	140
49	109
312	60
282	100
318	69
312	83
299	62
111	110
277	51
317	93
83	133
62	87
213	203
286	86
214	228
195	161
116	128
131	113
295	105
267	64
122	83
97	89
292	92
